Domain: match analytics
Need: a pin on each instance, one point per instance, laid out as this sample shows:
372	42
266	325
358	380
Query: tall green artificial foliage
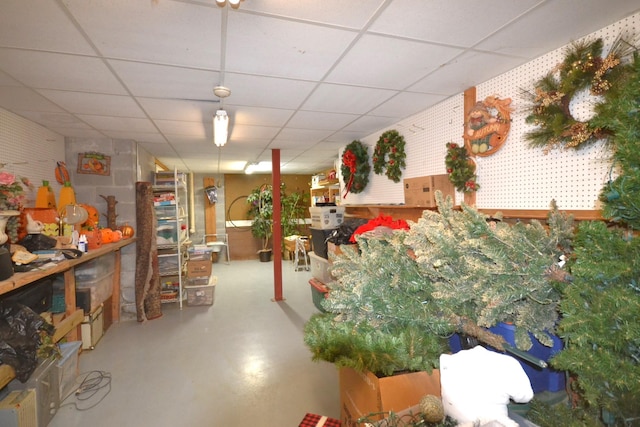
601	307
620	114
601	321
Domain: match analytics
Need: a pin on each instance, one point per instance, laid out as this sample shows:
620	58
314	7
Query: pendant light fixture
220	128
233	3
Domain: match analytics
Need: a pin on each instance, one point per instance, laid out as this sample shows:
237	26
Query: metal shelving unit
172	235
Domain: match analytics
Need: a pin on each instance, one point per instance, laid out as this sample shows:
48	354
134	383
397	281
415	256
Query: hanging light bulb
220	128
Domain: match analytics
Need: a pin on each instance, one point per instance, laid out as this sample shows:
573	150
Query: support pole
277	225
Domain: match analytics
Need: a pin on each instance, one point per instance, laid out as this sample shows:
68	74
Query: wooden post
469	102
277	225
209	209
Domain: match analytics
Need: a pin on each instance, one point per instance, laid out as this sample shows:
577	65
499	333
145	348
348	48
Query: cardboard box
363	394
198	268
327	217
421	191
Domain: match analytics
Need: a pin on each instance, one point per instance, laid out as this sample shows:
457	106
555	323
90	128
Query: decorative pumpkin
94	216
94	238
116	236
107	235
127	231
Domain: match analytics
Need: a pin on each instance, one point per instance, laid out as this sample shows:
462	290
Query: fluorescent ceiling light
220	128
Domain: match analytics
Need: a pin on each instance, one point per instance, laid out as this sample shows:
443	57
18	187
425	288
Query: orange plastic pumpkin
94	238
107	235
116	236
127	231
94	216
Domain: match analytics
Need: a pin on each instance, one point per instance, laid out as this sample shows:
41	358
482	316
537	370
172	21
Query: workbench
69	327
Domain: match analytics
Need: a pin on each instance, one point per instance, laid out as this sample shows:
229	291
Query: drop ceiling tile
15	98
369	124
247	132
40	25
455	77
451	22
193	129
320	120
260	91
7	80
59	71
56	120
189	111
302	50
134	136
107	123
258	116
94	103
161	81
346	99
334	12
302	136
525	38
404	62
167	32
77	133
344	137
407	104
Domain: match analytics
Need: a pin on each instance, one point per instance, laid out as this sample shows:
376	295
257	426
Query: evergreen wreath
390	146
355	167
461	168
583	67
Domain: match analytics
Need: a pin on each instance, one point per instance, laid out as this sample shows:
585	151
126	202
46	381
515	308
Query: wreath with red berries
461	168
355	167
389	156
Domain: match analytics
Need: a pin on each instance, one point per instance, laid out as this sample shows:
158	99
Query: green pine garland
461	168
389	157
355	166
583	67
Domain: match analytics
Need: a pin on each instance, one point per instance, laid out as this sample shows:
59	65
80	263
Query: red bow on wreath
349	160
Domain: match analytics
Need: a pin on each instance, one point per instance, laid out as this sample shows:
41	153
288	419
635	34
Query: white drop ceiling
306	76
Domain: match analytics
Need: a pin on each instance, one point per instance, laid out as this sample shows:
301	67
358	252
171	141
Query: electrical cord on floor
94	383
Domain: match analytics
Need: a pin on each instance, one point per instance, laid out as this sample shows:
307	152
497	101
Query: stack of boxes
324	221
201	284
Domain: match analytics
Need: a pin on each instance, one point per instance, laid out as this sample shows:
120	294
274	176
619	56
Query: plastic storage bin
67	367
541	379
320	268
319	291
201	294
319	238
96	268
326	217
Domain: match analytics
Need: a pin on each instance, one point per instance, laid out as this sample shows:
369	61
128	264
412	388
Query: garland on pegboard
390	146
461	168
583	67
355	167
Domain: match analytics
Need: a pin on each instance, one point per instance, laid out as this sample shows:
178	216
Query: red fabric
349	160
312	420
381	221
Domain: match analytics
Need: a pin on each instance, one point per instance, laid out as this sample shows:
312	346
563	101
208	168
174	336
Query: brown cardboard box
421	191
362	394
198	268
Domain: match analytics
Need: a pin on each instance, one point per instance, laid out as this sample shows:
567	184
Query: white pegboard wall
516	176
30	151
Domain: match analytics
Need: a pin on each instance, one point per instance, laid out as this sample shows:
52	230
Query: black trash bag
37	242
342	234
20	337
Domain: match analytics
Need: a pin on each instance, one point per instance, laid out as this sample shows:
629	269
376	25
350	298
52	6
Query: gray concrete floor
240	362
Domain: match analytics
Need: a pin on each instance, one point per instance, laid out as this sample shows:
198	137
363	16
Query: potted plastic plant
260	202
